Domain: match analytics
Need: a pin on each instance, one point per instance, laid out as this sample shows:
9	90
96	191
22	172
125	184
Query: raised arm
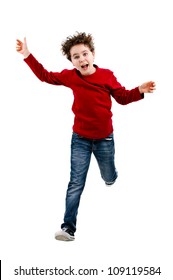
55	78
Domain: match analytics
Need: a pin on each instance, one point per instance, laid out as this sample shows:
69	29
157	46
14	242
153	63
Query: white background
129	224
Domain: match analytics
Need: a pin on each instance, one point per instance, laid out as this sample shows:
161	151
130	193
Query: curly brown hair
76	39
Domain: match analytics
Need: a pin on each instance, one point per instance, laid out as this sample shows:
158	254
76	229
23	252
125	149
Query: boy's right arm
38	69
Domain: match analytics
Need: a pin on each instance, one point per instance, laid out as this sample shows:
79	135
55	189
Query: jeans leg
80	161
104	151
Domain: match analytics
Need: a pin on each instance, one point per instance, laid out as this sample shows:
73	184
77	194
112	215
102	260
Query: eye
76	57
85	54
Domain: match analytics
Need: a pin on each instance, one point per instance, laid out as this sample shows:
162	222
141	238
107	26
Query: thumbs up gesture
21	47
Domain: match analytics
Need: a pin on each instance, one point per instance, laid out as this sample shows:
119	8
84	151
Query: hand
147	87
21	47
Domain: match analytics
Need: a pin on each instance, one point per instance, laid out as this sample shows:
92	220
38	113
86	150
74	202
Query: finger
151	89
18	49
153	84
18	44
18	41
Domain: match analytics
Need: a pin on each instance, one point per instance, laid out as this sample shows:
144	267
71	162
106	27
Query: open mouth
85	66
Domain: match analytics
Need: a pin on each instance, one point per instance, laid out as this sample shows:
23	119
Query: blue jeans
81	151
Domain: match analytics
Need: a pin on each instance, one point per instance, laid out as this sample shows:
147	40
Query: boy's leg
104	151
80	160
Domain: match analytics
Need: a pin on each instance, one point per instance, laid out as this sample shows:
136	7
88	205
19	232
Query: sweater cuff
141	94
28	57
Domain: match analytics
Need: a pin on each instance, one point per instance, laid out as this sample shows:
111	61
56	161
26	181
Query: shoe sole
64	236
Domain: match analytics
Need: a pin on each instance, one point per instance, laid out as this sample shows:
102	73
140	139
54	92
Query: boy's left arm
124	96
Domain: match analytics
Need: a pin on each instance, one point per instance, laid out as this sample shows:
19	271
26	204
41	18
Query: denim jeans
81	151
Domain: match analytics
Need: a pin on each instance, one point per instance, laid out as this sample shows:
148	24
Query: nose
81	58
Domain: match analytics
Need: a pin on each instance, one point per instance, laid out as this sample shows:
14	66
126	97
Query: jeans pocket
75	138
109	138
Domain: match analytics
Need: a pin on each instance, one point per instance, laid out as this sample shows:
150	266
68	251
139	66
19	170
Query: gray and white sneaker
65	235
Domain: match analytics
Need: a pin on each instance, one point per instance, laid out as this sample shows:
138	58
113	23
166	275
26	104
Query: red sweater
92	96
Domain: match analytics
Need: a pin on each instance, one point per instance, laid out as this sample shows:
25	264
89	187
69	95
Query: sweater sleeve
122	95
55	78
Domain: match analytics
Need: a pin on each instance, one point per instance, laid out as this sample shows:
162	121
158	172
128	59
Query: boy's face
82	58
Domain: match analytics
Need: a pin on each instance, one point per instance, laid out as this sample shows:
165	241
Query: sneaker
108	184
65	235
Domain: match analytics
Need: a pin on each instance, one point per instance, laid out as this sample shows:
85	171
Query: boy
93	88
